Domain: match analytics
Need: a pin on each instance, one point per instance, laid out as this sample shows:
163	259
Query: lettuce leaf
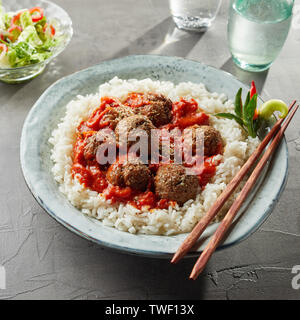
25	19
4	18
30	35
2	24
39	27
7	19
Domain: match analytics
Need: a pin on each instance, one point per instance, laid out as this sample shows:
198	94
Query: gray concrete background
43	260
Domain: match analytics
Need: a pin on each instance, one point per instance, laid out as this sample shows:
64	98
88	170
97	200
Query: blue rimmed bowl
49	109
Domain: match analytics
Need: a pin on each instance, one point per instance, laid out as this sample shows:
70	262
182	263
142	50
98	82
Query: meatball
90	148
167	151
172	182
94	141
114	114
115	175
133	174
170	145
133	126
158	109
209	137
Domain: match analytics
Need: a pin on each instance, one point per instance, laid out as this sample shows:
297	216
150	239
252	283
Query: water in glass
257	30
195	15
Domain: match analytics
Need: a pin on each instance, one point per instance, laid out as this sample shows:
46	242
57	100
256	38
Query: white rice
238	147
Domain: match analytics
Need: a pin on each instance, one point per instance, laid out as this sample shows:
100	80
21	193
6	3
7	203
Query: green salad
26	37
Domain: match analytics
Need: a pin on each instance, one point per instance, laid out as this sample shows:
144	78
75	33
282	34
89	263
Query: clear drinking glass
257	30
194	15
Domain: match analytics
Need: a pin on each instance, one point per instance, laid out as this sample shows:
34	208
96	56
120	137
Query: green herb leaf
25	19
249	114
231	117
257	124
238	103
246	103
244	113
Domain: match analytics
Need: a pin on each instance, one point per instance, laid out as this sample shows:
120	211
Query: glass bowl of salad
32	33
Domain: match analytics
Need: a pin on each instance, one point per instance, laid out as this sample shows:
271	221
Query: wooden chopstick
226	222
192	238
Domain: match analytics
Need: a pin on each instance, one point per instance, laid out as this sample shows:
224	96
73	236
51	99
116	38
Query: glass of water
257	30
194	15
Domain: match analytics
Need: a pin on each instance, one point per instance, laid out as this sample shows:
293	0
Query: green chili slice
269	107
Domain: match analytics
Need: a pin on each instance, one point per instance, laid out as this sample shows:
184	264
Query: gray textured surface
45	261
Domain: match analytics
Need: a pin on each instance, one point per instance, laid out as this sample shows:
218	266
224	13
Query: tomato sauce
136	100
186	113
93	176
208	170
95	122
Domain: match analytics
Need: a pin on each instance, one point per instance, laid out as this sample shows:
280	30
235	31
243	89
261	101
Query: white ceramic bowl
48	110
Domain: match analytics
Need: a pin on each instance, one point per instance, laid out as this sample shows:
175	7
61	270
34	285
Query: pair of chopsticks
277	132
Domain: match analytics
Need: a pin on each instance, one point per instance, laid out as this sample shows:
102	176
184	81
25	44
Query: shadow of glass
163	39
9	89
246	76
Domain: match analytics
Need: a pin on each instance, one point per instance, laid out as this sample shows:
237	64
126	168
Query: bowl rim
126	249
55	54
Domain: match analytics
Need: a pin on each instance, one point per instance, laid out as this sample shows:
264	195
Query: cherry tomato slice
37	14
3	47
14	32
16	19
52	29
